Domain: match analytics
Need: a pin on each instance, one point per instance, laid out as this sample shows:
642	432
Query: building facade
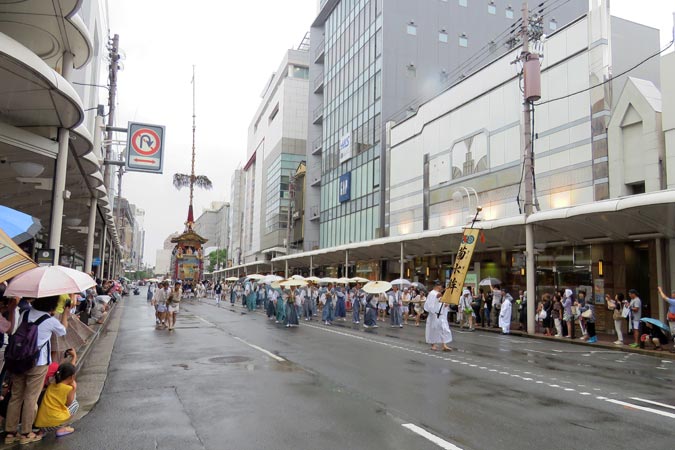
214	226
52	56
277	141
376	61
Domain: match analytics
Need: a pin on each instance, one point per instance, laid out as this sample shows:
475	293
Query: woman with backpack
35	329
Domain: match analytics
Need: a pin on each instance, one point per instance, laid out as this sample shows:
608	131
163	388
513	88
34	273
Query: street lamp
458	196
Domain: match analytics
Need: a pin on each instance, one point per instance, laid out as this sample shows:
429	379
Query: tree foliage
217	257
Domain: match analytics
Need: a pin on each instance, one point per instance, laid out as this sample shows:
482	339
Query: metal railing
318	82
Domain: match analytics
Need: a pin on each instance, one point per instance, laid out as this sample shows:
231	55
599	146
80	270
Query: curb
84	352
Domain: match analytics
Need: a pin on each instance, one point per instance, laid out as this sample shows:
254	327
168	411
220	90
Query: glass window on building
509	12
463	40
443	36
553	24
492	8
411	29
299	72
462	2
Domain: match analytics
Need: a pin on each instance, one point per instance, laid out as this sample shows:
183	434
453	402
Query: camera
68	303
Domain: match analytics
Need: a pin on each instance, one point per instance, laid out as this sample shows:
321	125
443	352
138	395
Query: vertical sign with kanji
461	267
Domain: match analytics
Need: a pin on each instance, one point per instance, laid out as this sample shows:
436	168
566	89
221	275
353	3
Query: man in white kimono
505	314
438	328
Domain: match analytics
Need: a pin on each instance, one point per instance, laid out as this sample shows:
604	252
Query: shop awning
643	216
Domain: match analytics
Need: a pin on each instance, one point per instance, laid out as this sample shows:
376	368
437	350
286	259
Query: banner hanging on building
345	147
345	187
462	265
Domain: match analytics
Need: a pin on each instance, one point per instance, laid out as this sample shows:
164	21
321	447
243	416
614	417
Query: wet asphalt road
227	380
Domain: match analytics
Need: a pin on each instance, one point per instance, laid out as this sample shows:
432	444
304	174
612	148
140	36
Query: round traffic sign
145	141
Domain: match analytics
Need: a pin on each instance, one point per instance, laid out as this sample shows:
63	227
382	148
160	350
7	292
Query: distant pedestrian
587	313
671	312
635	306
496	306
394	297
466	310
382	307
359	299
557	313
487	307
340	303
173	305
505	314
279	306
654	336
151	292
271	303
291	310
326	299
616	306
250	295
568	317
370	317
547	319
218	290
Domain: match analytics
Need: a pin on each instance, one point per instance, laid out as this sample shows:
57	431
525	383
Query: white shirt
45	330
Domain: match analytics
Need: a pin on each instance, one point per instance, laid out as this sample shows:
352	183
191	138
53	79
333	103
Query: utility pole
112	95
532	92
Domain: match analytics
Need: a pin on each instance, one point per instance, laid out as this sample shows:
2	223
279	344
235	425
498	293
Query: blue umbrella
19	226
658	323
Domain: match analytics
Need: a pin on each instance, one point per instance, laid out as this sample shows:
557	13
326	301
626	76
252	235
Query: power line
608	79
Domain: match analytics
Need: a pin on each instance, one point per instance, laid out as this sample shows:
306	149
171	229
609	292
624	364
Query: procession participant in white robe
437	328
505	314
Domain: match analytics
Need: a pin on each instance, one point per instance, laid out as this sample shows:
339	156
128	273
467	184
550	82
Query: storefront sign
45	257
345	147
599	291
462	264
345	187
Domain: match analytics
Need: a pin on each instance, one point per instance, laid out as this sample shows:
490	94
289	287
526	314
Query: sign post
145	148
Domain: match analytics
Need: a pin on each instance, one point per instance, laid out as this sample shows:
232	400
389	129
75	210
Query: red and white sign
145	148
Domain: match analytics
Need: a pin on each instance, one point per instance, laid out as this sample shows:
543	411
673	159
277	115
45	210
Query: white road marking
260	349
641	408
442	443
652	402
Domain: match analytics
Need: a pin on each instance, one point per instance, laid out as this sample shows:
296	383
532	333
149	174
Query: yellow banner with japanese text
462	265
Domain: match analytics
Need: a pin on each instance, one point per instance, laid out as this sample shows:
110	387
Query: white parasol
328	280
360	280
296	283
400	282
377	287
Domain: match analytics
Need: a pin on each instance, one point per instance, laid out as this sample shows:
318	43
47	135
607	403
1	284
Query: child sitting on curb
59	404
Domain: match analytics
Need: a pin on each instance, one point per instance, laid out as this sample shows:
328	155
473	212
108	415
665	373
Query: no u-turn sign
145	148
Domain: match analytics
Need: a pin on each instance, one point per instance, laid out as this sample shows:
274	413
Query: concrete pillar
659	279
401	262
530	277
346	272
101	250
286	269
91	231
311	266
59	185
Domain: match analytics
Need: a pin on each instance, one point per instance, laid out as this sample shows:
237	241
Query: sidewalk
92	364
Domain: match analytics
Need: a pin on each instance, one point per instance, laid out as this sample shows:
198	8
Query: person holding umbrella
291	310
327	314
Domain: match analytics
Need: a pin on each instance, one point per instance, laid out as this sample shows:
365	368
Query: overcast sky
236	45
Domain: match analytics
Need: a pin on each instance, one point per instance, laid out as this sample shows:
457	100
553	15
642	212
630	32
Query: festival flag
462	264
